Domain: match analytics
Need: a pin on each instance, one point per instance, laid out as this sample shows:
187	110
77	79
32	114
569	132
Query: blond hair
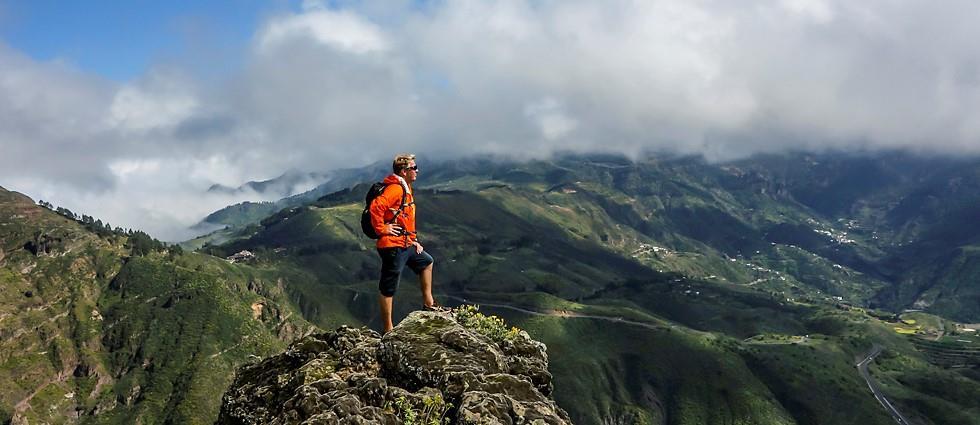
401	162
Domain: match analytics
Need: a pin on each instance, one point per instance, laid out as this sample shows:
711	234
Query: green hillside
688	268
878	230
94	332
669	291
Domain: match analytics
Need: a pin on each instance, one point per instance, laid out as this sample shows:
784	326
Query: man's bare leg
385	303
425	282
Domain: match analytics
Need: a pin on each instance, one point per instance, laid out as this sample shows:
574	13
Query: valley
669	291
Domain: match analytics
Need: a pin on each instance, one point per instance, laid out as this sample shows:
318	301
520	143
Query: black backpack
376	190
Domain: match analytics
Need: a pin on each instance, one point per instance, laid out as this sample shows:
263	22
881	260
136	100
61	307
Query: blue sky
119	40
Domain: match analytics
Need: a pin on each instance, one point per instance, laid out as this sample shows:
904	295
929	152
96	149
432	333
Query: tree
141	243
174	251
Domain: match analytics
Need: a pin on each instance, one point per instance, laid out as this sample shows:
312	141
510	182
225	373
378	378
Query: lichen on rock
428	370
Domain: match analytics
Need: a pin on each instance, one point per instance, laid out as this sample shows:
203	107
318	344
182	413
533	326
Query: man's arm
415	235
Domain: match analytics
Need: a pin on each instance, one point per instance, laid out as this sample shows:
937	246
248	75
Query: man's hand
418	247
393	230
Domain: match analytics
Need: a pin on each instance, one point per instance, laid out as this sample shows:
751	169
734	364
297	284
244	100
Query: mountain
669	290
251	212
287	184
890	230
109	327
245	213
917	217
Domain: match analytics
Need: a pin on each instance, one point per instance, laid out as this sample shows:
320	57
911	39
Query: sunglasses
413	168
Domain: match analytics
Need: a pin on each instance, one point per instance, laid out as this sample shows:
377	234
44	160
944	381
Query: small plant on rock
431	412
492	327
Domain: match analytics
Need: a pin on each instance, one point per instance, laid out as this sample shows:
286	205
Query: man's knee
387	286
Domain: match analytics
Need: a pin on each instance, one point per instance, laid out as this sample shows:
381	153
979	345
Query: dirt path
25	404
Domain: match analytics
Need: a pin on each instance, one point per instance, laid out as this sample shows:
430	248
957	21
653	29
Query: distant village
241	257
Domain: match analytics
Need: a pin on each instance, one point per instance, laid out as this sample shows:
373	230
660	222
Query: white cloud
123	168
344	31
163	197
550	117
311	5
160	102
819	11
336	86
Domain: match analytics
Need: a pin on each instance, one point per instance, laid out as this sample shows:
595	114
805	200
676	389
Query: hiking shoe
436	308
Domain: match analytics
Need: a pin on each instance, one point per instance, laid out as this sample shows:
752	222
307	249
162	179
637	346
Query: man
393	218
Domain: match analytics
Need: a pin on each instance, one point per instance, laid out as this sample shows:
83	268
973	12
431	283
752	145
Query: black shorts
393	261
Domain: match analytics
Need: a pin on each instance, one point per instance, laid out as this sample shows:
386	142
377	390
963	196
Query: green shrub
431	412
492	327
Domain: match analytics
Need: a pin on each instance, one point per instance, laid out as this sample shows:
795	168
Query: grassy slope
90	331
871	229
517	242
630	375
758	247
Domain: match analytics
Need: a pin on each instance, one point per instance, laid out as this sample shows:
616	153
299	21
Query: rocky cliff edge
429	370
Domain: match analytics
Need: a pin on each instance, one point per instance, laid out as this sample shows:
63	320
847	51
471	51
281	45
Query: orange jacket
383	209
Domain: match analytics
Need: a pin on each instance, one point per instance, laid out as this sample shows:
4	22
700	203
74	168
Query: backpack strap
401	206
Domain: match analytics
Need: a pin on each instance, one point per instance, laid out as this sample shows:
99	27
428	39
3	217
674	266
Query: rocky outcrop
429	369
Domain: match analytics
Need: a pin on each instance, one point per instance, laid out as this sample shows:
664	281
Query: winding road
551	313
862	367
567	314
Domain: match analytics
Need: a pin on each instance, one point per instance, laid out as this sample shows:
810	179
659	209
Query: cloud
158	102
341	30
162	197
551	119
343	84
47	113
819	11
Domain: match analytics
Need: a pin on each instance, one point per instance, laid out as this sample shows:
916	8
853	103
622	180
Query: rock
428	367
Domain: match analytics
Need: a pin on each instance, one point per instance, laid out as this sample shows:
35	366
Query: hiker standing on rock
393	219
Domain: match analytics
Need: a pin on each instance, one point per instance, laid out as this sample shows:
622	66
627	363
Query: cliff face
428	370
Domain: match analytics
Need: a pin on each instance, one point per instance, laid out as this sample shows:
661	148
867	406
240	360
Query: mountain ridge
95	327
667	291
751	207
750	281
